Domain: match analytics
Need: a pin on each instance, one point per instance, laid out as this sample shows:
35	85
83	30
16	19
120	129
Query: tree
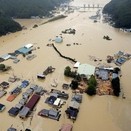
91	90
2	66
92	81
74	84
120	11
116	70
67	71
116	86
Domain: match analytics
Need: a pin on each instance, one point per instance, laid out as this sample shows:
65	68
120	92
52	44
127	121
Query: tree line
28	8
120	11
23	9
8	25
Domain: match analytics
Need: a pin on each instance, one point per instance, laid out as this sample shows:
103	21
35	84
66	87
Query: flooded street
98	113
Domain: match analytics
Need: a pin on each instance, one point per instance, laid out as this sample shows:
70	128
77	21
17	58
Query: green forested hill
23	9
28	8
120	11
8	25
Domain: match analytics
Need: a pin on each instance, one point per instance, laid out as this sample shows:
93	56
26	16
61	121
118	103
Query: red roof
11	97
33	101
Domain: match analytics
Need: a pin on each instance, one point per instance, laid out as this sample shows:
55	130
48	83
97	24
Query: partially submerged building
77	97
86	69
72	110
51	113
4	85
29	106
13	111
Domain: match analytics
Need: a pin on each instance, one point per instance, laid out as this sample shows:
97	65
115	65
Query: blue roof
23	50
13	111
24	84
58	39
121	60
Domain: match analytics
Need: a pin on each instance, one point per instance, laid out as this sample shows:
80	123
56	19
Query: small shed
76	65
4	85
58	39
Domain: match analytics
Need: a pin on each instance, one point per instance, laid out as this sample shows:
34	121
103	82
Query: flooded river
98	113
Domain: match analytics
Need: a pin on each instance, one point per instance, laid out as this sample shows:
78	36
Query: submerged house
13	111
29	106
4	85
72	110
102	74
52	114
23	50
5	57
24	112
58	39
77	97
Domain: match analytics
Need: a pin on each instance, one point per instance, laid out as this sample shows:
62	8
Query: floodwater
98	113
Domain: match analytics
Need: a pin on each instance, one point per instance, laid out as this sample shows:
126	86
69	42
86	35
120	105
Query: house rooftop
86	69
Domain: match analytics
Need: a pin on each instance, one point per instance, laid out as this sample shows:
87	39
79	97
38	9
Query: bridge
98	6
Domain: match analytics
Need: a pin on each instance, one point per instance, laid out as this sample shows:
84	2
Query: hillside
8	25
23	9
28	8
120	11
